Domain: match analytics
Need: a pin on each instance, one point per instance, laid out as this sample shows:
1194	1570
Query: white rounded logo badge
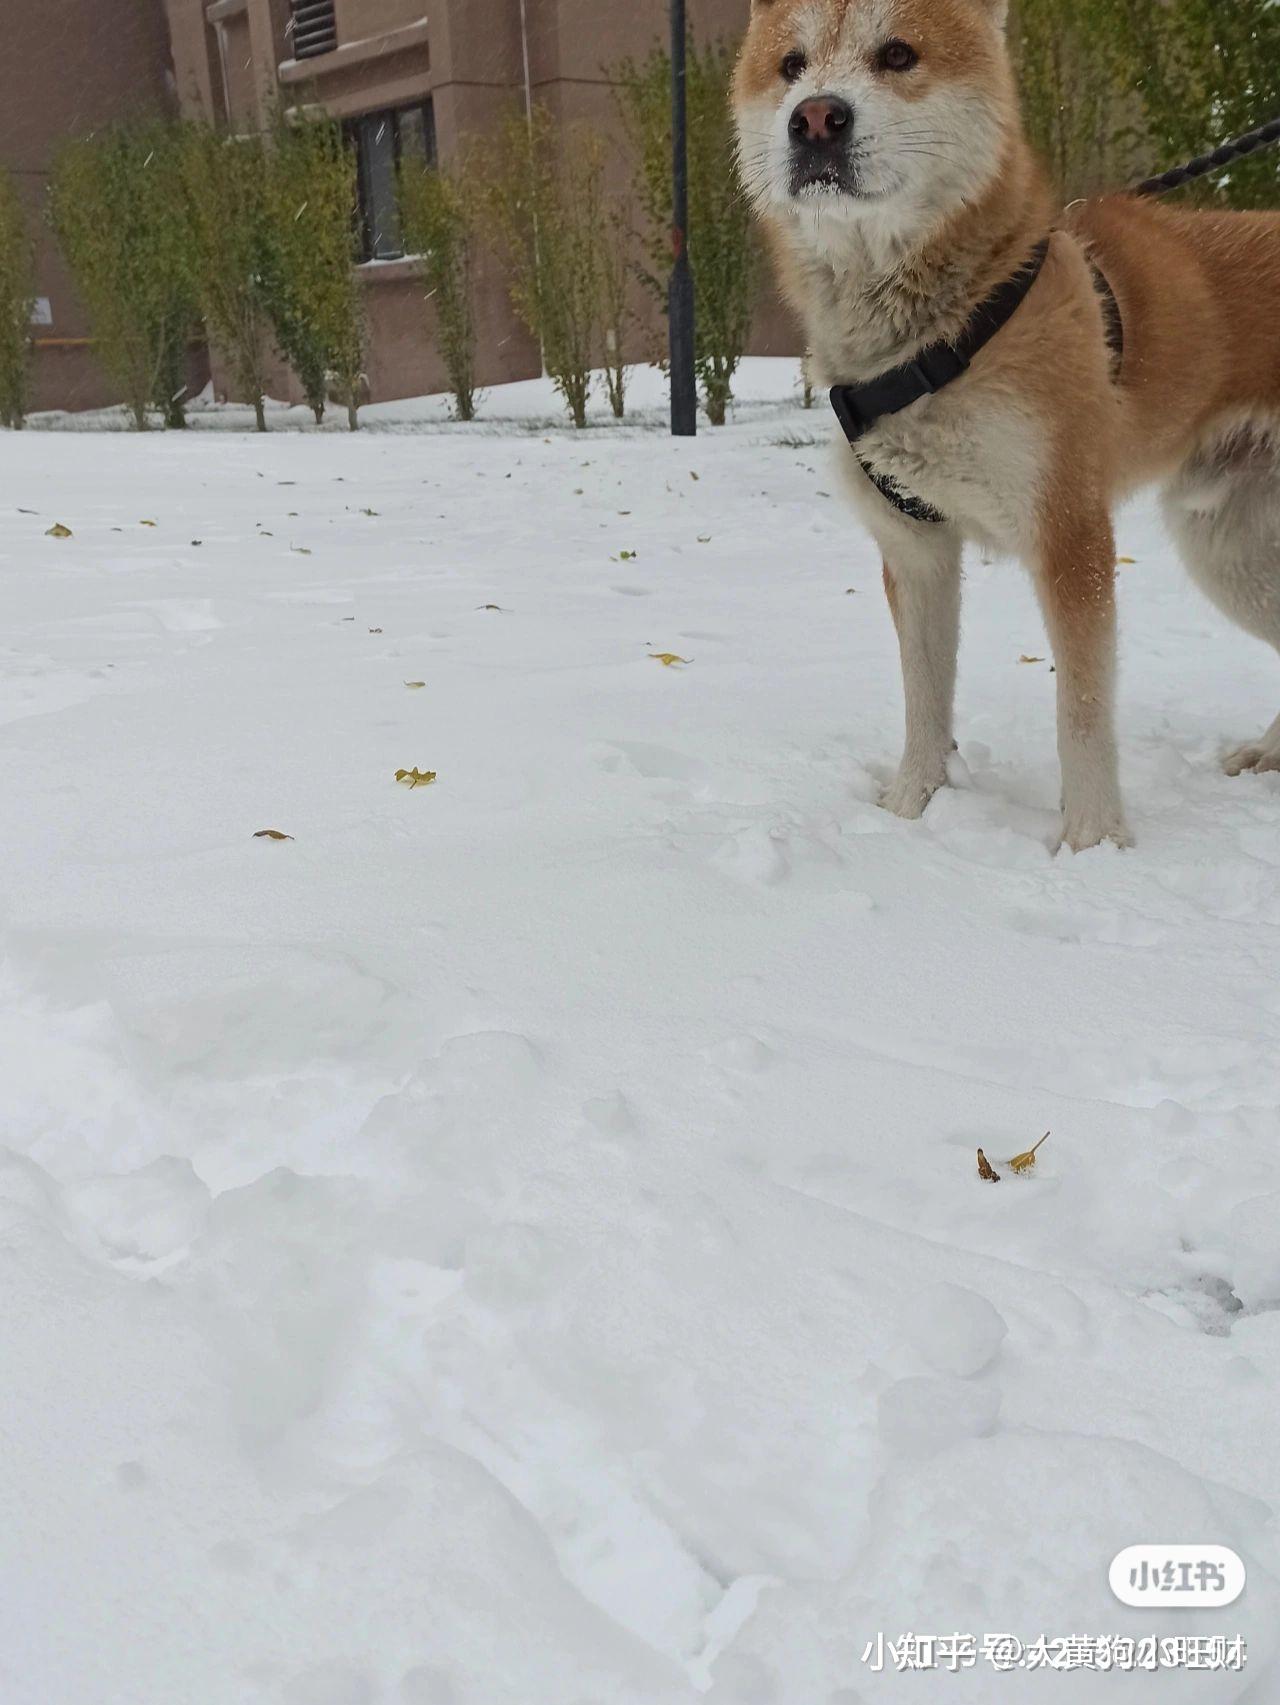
1177	1577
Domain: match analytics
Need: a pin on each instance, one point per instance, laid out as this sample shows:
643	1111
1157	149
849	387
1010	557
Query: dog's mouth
811	179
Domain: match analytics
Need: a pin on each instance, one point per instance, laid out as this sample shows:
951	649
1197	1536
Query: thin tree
17	299
117	207
235	252
614	274
721	242
438	217
314	297
546	197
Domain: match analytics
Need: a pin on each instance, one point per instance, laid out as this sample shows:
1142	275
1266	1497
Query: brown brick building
406	76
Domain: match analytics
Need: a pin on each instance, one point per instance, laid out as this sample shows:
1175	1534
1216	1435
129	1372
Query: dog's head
892	110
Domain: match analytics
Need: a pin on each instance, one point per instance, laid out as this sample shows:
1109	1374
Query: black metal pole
684	385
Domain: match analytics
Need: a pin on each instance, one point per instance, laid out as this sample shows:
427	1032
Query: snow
519	1241
953	1329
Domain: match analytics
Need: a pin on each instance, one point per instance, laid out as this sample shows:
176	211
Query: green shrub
17	299
117	206
1204	71
1082	115
438	219
1118	89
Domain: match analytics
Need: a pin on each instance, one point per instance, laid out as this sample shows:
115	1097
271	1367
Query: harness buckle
916	370
935	372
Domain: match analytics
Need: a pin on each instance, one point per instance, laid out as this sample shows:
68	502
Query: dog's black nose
821	121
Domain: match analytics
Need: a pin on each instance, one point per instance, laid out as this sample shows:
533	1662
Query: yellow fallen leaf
415	683
57	531
667	658
1025	659
271	835
416	777
1024	1162
146	523
1127	559
986	1170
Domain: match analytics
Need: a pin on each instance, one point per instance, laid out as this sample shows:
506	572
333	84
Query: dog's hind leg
1223	509
922	584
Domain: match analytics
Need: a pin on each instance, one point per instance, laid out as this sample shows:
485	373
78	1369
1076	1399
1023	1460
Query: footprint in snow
741	1054
654	763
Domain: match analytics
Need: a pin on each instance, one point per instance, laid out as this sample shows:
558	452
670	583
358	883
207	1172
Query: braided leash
1237	149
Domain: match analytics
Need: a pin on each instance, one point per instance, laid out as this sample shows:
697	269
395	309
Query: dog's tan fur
1031	448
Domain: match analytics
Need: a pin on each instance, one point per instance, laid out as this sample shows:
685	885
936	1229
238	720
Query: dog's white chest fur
980	468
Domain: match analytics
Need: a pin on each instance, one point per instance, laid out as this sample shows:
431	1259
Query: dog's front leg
922	583
1075	577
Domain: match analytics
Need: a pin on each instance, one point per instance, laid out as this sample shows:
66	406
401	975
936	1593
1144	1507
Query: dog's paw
1086	829
1256	758
909	792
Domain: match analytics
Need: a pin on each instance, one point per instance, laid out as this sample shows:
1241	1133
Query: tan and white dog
882	148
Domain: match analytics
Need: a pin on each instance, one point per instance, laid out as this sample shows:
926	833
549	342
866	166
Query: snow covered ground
518	1241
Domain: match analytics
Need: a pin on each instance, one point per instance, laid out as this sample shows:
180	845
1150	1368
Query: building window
381	141
315	28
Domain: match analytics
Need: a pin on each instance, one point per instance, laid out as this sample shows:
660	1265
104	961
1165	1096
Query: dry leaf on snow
986	1170
667	658
57	531
416	777
271	835
1024	1162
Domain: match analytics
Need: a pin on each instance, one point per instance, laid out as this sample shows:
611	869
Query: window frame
372	242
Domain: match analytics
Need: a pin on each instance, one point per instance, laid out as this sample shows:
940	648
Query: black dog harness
859	407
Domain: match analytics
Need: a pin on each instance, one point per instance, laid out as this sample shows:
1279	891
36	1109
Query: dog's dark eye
898	56
794	67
